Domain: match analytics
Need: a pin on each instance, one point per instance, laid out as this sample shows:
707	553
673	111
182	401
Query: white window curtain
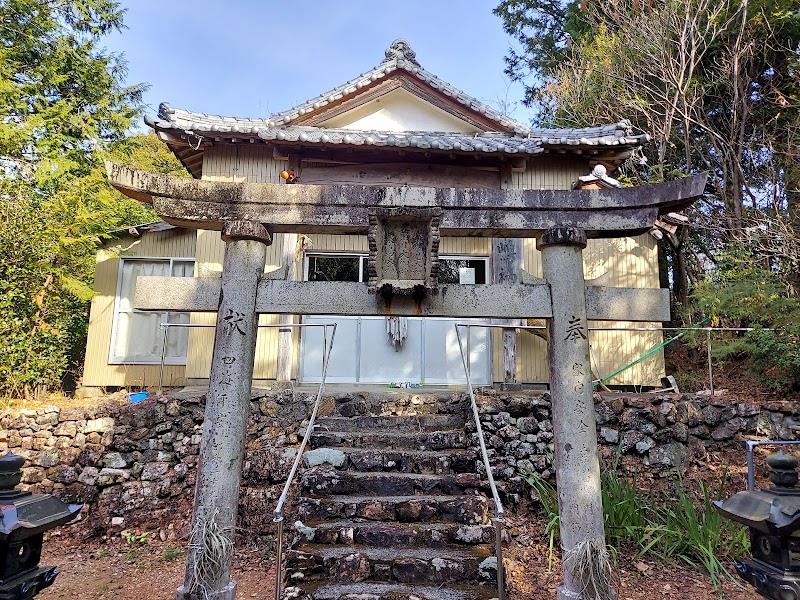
138	336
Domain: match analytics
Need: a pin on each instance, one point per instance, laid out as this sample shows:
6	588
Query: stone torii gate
404	227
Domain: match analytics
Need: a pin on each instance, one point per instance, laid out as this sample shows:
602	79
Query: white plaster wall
399	111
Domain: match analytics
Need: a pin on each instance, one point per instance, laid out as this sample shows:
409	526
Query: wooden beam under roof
384	154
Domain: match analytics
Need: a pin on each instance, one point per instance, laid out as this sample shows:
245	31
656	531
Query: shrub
666	526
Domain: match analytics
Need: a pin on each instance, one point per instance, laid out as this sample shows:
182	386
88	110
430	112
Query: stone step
466	510
353	564
390	535
425	440
402	424
395	591
402	402
325	480
404	461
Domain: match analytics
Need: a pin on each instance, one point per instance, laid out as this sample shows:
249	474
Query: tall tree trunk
680	272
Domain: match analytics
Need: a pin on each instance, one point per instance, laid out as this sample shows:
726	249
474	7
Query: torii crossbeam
404	225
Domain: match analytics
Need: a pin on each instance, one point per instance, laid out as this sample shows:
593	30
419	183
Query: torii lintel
199	204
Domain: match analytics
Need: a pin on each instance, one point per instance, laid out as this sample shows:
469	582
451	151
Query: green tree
545	31
63	107
716	83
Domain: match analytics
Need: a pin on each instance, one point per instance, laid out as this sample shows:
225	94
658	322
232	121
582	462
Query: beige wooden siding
253	164
550	173
542	174
625	262
175	243
323	242
470	246
630	262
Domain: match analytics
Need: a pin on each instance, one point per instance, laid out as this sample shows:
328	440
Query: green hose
651	352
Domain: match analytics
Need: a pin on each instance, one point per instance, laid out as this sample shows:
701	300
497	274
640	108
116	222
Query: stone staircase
391	505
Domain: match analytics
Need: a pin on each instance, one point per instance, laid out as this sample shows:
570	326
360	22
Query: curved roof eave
191	131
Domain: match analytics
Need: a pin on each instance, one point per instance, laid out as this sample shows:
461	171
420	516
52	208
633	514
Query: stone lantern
773	518
24	517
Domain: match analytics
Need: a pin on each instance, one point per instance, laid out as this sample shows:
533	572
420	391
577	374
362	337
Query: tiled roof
399	56
535	141
137	230
514	138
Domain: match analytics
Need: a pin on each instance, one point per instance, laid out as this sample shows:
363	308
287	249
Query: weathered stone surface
268	408
48	457
610	436
410	570
470	534
487	570
604	413
376	510
155	443
32	475
320	456
154	470
100	425
352	568
630	439
667	456
646	444
66	428
114	460
88	476
108	476
66	474
308	533
416	510
528	424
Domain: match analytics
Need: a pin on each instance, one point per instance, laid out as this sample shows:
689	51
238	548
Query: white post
225	426
285	334
576	459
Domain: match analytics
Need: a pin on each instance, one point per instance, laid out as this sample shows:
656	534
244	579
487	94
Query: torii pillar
216	498
580	499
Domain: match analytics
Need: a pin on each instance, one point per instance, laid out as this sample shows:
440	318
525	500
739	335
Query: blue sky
252	58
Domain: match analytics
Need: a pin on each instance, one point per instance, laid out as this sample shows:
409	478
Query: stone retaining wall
134	464
663	434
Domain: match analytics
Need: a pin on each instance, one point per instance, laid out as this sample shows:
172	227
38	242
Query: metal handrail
166	326
750	446
500	519
282	500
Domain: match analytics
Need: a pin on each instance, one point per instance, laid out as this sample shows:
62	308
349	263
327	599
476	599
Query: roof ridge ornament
401	49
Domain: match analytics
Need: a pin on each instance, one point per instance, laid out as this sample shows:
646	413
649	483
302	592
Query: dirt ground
529	578
154	570
150	571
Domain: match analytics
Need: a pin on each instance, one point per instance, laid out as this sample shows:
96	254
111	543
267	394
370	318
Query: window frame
473	257
114	359
362	275
362	255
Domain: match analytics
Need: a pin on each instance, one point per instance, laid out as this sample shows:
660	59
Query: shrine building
394	125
